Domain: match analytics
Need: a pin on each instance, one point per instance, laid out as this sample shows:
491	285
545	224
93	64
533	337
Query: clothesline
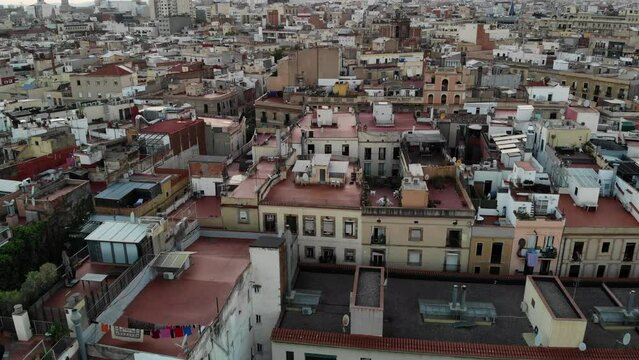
137	329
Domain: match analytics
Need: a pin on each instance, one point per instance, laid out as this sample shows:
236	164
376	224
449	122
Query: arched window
443	99
430	98
445	85
457	99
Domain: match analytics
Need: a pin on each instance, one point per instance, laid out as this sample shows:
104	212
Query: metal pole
75	318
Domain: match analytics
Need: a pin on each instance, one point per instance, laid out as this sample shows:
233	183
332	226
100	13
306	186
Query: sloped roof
111	70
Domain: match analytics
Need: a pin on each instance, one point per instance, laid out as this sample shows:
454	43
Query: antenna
625	340
346	320
582	346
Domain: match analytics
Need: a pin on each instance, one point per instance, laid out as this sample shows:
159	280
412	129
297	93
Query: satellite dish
538	340
626	339
582	346
562	111
346	320
587	103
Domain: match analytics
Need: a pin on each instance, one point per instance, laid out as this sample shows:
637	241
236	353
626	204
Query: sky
31	2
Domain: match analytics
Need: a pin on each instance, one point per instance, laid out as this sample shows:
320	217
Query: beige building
110	81
555	317
490	247
305	67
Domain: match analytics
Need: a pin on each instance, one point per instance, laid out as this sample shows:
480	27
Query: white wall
299	351
540	93
206	184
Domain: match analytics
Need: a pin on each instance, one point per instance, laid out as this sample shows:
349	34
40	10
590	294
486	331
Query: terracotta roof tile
471	350
111	70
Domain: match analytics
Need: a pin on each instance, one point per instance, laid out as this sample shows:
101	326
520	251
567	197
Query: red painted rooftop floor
191	299
205	207
610	213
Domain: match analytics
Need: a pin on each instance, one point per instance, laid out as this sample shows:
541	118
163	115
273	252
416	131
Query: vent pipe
463	297
454	303
630	304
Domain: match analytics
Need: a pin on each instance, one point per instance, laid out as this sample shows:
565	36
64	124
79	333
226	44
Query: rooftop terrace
215	267
402	320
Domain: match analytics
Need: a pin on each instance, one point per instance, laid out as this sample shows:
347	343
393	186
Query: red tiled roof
471	350
169	126
111	70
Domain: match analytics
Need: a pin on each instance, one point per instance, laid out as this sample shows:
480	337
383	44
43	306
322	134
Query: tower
64	6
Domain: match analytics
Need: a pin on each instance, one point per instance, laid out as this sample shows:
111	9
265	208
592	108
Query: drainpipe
630	304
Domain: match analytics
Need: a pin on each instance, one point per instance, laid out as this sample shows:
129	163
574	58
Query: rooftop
118	190
288	193
169	126
609	214
116	231
405	331
204	207
403	121
111	70
344	126
216	265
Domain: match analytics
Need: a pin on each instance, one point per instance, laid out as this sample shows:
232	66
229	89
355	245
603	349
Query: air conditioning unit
524	307
168	275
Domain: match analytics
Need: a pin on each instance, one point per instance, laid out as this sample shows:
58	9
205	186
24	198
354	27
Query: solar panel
172	260
504	142
511	151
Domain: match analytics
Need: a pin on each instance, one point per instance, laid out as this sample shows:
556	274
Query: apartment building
444	89
110	81
319	201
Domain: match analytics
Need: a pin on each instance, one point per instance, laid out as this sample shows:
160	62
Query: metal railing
96	307
422	212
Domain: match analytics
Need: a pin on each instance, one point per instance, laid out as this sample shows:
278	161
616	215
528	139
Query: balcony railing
419	212
548	253
378	240
327	259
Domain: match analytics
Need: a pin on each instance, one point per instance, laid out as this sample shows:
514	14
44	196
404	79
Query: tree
277	54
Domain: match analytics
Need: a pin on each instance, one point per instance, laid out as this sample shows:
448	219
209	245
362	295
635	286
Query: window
414	257
477	270
328	149
548	241
577	251
350	228
367	153
290	355
259	347
453	239
206	108
309	252
258	319
270	223
379	235
115	83
574	270
495	253
78	83
367	169
396	153
257	288
311	148
532	303
382	153
381	170
415	234
624	271
328	226
629	252
262	118
605	247
601	271
479	249
494	270
349	255
345	151
576	190
243	216
309	225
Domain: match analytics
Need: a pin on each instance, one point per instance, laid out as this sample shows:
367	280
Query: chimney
630	304
463	298
454	303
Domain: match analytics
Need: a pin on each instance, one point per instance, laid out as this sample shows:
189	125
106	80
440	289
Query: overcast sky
29	2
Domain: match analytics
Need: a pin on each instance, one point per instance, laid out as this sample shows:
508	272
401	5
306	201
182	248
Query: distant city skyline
54	2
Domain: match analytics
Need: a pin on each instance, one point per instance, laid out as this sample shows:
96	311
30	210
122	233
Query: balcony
378	240
548	253
327	259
